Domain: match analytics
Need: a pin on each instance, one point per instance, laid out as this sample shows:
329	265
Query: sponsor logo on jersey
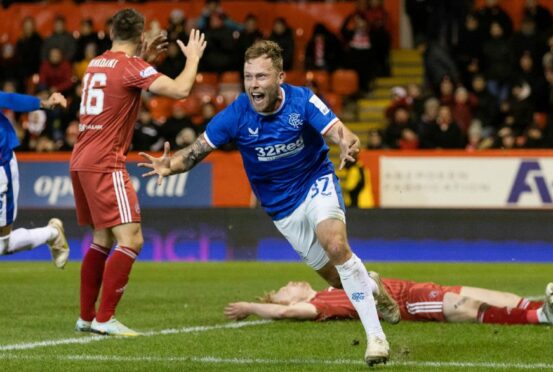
319	104
83	127
295	120
148	71
281	150
253	132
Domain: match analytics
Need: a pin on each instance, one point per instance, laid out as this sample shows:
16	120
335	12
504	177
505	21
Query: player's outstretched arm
151	49
241	310
181	161
25	103
181	86
349	143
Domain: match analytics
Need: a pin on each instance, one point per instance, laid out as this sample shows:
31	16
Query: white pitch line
87	339
216	360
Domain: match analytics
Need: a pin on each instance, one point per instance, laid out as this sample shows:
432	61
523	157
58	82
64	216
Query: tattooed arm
181	161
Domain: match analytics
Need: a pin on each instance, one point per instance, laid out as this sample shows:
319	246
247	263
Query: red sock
526	304
505	315
116	276
92	270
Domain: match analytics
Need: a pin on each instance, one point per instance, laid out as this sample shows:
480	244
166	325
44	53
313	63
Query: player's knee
4	244
337	249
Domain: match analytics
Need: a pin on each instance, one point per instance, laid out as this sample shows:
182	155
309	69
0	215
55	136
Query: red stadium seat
295	77
207	78
191	105
321	79
345	82
205	91
230	77
334	101
160	108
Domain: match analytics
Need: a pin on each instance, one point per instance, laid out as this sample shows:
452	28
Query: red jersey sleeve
139	74
333	304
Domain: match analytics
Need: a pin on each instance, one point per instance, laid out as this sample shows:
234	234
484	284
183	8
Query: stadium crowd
487	84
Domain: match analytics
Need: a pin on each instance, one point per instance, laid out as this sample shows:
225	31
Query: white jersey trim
209	141
329	125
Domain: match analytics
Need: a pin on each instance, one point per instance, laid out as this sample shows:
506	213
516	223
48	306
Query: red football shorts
425	301
104	199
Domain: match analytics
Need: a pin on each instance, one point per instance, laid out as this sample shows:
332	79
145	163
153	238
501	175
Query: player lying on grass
24	239
417	301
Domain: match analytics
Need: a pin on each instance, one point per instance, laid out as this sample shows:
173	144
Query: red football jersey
109	108
333	303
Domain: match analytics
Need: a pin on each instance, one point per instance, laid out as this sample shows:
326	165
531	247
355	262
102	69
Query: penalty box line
260	361
88	339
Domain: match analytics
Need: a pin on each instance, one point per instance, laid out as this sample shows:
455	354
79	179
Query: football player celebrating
280	131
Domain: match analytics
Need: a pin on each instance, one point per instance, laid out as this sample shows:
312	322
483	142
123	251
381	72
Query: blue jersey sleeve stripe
209	141
329	125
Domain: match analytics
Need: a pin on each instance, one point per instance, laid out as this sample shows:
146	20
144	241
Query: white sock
357	285
25	239
542	318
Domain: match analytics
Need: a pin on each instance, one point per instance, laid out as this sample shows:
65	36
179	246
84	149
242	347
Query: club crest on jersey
253	132
295	120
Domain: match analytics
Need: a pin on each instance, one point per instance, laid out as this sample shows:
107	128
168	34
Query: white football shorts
9	191
324	201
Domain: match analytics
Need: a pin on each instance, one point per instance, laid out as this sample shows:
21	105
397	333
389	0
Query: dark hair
268	49
128	25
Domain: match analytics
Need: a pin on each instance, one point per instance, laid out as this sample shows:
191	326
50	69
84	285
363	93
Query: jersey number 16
92	101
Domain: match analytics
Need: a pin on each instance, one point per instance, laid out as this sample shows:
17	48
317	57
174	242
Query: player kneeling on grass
24	239
280	131
417	301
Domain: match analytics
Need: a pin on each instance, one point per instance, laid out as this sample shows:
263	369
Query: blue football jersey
283	152
8	138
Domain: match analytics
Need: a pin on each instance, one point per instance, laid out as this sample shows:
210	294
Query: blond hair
267	298
268	49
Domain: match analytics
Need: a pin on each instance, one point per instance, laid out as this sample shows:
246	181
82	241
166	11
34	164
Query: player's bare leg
330	274
491	297
116	276
357	284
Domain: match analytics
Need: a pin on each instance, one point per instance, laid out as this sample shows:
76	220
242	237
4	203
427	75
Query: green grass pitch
179	306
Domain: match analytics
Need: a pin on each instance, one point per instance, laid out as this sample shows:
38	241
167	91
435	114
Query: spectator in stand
498	62
87	36
358	54
429	115
399	99
90	52
447	92
486	109
352	182
463	104
176	28
534	137
540	15
56	73
10	67
401	132
526	40
375	140
147	136
505	139
535	78
437	64
283	35
185	138
104	42
210	8
28	48
60	39
249	35
490	13
521	106
444	133
71	134
176	123
220	53
208	111
380	37
468	50
174	61
416	99
323	50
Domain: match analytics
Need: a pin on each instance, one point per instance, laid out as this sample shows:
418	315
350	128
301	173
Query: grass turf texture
40	303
